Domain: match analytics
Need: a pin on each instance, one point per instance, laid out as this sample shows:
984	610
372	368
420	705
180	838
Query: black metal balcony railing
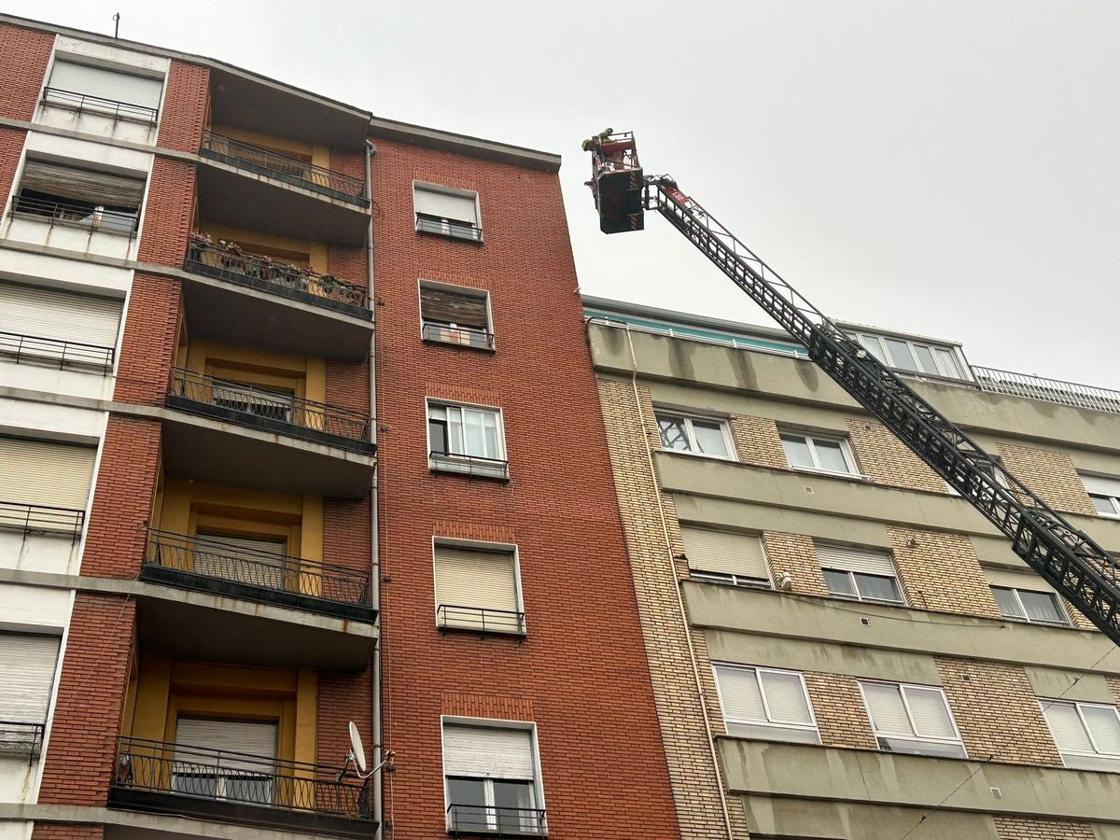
85	103
267	409
480	619
426	223
20	738
41	519
456	334
284	168
496	821
229	263
212	565
53	352
160	776
76	214
472	465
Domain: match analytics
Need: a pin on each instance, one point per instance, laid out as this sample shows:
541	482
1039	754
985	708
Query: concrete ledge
463	144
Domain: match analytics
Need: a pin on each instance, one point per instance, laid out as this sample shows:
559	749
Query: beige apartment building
840	646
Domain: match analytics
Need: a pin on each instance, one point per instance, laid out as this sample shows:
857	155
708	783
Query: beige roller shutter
481	752
62	316
482	579
725	552
442	205
34	472
1017	580
107	84
251	560
28	666
253	738
861	560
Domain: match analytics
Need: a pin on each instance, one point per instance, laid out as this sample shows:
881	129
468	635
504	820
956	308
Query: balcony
50	352
20	738
1056	391
160	777
495	821
41	519
212	566
480	620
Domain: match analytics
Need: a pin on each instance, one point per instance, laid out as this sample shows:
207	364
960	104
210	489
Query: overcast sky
947	168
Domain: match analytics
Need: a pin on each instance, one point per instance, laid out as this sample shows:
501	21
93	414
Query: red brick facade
185	107
168	212
23	63
580	674
148	345
11	147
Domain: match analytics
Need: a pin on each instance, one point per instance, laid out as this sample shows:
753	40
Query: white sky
947	167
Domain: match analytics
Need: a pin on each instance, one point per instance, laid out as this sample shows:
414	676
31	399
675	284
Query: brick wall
67	831
841	714
168	212
23	65
81	750
184	107
148	345
11	147
997	713
887	460
346	532
757	442
348	385
1029	828
343	698
583	662
940	571
796	554
349	264
1049	474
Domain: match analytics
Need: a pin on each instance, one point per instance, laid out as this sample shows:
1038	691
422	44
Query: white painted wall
52	422
78	275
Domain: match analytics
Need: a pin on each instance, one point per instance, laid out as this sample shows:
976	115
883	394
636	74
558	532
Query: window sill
831	474
465	339
1058	624
469	466
855	599
703	455
476	630
472	235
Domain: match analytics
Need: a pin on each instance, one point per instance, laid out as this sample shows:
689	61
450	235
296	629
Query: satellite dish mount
357	756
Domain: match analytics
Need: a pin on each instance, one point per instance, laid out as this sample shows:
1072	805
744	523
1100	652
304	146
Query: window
1104	492
859	573
1033	604
912	719
491	779
913	356
56	327
765	703
45	473
79	197
818	452
454	315
466	439
225	759
25	691
1086	734
725	557
267	403
700	436
477	589
99	90
446	212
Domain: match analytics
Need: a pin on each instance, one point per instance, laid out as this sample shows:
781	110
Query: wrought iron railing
76	214
1072	394
496	820
463	336
41	519
256	406
426	223
275	165
228	262
54	352
84	102
227	776
185	557
474	465
21	738
480	619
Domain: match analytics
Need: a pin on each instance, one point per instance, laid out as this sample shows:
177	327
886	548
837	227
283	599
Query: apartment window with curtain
25	691
862	574
912	719
1087	734
466	439
446	212
819	453
1024	596
490	779
696	435
100	90
1104	491
477	589
726	557
914	356
77	196
765	703
455	315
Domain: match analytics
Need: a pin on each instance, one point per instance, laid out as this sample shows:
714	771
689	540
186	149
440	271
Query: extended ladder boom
1065	556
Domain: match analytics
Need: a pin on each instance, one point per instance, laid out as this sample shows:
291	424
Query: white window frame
1113	500
1015	590
440	188
690	433
899	602
495	723
445	462
1097	753
727	579
495	548
810	439
962	373
467	291
769	722
957	741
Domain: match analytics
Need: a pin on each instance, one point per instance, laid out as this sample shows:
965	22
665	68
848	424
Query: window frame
446	461
495	548
779	725
690	433
466	291
448	230
846	452
901	686
1044	703
1066	621
962	373
859	596
1114	501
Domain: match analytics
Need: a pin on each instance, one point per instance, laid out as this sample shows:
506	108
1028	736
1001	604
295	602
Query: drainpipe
375	548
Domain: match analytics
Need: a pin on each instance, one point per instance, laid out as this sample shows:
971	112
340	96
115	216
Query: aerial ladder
1064	556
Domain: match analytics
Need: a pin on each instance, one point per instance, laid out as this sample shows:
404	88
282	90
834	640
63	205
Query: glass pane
513	802
673	435
475	436
490	433
948	362
455	431
900	354
1042	606
871	345
437	434
797	451
831	456
878	588
1008	603
888	714
1104	726
1103	504
839	583
709	438
1065	723
925	359
738	689
467	798
931	715
785	698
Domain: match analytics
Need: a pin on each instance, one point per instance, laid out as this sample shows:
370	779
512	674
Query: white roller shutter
443	205
27	663
725	552
886	709
481	579
63	316
1016	580
107	84
481	752
862	560
739	693
930	712
34	472
1065	724
785	697
1101	486
243	559
241	736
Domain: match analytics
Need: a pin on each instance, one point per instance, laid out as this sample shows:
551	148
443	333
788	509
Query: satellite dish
357	751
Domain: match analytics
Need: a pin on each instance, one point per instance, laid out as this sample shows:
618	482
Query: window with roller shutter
726	557
862	574
765	703
52	325
28	664
1087	734
45	473
101	90
446	212
455	315
1024	596
225	759
78	196
912	719
1104	492
477	589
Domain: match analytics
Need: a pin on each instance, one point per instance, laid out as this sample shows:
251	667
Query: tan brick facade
1049	474
885	459
940	571
796	554
757	442
841	715
1028	828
